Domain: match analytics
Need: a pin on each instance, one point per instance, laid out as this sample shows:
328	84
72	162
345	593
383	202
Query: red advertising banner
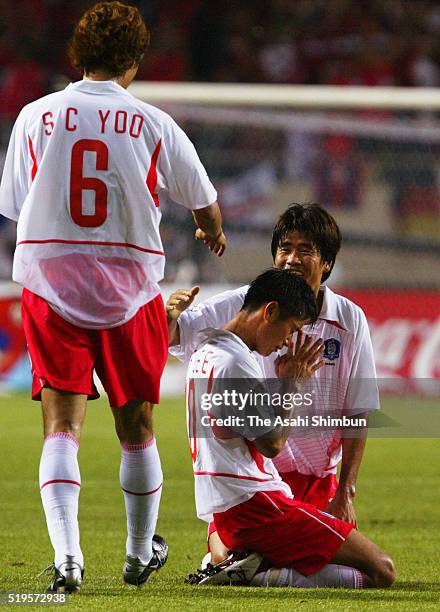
14	361
405	330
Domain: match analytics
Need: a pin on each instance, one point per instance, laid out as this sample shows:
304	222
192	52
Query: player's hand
302	360
216	244
179	301
342	507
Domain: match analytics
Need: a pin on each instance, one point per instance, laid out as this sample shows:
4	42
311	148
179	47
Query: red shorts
286	532
128	359
311	489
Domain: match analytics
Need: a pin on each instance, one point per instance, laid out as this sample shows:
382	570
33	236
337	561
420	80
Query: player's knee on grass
134	422
385	574
361	553
219	552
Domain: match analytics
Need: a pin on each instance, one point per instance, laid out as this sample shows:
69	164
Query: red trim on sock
60	481
62	434
142	494
137	447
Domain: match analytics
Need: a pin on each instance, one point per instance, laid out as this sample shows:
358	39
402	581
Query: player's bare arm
342	505
209	228
178	301
299	363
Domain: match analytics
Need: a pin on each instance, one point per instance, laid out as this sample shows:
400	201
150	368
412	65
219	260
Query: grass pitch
397	505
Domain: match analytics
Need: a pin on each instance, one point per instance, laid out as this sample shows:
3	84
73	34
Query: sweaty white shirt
228	468
83	176
345	384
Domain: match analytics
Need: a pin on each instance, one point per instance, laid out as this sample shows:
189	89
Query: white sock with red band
331	575
60	483
141	481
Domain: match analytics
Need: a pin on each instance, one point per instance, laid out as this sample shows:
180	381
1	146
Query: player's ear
327	267
271	312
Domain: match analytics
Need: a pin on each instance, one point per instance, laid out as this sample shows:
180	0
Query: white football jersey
83	178
228	468
346	385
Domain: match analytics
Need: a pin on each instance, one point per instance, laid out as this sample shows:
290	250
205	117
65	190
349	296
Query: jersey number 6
79	183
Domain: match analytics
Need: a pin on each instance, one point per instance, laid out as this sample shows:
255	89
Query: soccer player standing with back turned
83	176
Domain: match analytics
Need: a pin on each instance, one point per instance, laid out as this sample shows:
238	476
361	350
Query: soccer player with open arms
236	484
83	176
306	240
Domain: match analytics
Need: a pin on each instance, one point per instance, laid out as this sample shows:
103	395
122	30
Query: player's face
276	333
297	253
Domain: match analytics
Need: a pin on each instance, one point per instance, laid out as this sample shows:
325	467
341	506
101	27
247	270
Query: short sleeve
362	392
183	173
214	312
16	172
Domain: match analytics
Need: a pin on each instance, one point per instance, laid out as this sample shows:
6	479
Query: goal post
290	96
370	155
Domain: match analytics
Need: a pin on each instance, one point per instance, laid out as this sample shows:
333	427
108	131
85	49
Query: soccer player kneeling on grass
236	483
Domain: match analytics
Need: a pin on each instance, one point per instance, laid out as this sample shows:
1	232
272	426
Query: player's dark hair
316	224
110	36
294	296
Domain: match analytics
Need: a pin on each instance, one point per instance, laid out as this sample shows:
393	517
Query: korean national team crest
332	349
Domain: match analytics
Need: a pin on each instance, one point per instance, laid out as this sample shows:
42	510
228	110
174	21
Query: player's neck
319	299
99	75
123	80
242	327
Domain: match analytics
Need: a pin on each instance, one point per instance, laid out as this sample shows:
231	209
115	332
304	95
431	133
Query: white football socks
331	575
141	481
60	484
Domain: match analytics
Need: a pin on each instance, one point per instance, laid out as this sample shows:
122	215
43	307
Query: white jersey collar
211	334
98	87
329	309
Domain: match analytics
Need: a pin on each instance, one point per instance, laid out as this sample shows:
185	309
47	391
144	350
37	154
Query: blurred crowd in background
338	42
362	42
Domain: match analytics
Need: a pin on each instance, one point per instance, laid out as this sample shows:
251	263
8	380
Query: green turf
398	507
